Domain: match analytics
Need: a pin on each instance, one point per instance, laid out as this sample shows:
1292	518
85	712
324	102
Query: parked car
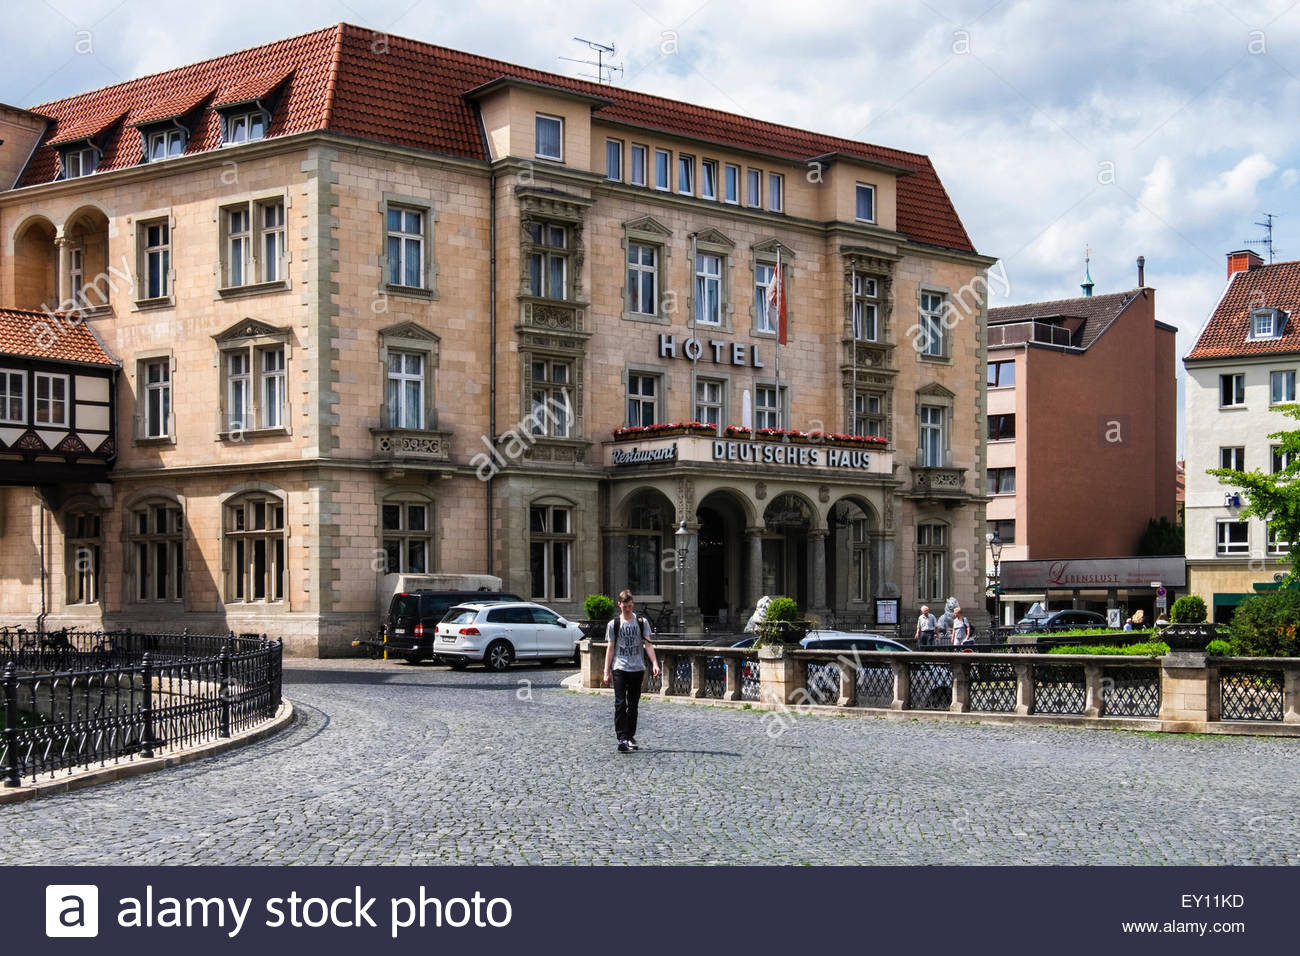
825	688
499	633
1066	620
845	641
414	615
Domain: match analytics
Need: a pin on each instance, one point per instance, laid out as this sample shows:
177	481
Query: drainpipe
40	621
492	335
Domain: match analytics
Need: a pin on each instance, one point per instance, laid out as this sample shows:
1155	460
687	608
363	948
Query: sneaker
624	747
632	744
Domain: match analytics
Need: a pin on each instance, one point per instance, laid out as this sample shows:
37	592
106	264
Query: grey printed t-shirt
628	655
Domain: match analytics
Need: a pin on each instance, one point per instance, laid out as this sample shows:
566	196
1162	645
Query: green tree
1162	536
1275	497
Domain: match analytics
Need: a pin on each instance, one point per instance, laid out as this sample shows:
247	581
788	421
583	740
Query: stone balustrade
1183	692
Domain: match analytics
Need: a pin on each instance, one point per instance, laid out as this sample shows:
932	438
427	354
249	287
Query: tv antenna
1267	242
601	50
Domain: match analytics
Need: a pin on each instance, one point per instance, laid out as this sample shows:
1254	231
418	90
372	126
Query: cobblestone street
393	764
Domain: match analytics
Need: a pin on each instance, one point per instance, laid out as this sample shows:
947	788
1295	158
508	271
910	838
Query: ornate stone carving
823	493
685	499
399	443
30	442
73	445
760	490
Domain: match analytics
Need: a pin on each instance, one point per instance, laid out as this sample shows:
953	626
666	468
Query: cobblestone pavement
389	763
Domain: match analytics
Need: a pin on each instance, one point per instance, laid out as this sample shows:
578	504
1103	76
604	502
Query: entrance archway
852	563
788	520
723	561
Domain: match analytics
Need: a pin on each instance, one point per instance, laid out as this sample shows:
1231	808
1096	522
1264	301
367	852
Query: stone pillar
754	573
62	272
902	680
817	572
1094	690
1024	687
593	663
1290	695
781	677
848	683
697	675
667	664
689	583
735	666
1184	689
960	687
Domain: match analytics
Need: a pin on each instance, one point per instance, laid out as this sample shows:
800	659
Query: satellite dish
1277	577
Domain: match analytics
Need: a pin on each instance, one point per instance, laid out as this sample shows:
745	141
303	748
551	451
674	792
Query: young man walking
625	638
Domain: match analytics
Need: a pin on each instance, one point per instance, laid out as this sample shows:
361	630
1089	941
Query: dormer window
79	161
1267	323
244	125
163	144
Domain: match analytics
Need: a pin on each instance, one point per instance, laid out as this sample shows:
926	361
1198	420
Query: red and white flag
776	299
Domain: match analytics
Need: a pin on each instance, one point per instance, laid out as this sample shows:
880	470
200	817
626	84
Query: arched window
83	535
254	548
931	562
550	551
155	549
406	527
644	547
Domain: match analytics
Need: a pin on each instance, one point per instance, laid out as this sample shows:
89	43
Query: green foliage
599	607
1265	625
781	609
1162	536
1274	497
1189	609
1142	649
1087	632
1217	648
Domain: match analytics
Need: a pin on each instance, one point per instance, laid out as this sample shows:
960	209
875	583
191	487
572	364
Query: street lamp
683	545
995	549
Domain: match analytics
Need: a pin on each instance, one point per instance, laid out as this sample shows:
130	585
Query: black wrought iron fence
1059	689
993	687
153	691
1248	693
1130	692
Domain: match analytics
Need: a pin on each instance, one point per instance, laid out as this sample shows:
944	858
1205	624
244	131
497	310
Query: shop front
1110	586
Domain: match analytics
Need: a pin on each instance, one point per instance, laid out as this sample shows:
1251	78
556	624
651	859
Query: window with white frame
637	177
663	163
407	537
254	535
866	308
642	399
404	396
642	278
13	397
869	414
271	394
753	188
708	289
552	398
775	192
769	406
1232	389
932	436
255	392
238	253
765	317
1266	323
155	259
709	395
644	547
77	276
614	160
244	126
931	562
931	340
550	137
1277	540
866	203
1002	481
548	259
75	163
685	174
1279	460
271	262
163	144
1233	538
157	377
239	397
1282	387
84	540
731	183
1233	458
709	179
550	551
404	247
156	548
253	249
51	394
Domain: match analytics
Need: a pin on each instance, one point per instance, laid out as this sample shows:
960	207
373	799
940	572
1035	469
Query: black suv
413	618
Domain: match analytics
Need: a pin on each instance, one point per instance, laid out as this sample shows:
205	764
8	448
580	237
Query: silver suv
499	633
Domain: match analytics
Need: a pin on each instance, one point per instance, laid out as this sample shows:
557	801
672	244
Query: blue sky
1162	129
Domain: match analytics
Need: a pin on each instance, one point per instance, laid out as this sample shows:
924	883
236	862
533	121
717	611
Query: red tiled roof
1097	312
1271	287
410	93
60	338
171	107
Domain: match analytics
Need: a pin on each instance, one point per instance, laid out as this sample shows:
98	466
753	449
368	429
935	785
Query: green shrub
1142	649
1189	609
782	609
1265	625
598	607
1217	648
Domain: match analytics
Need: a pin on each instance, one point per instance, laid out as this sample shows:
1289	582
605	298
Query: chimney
1142	268
1241	261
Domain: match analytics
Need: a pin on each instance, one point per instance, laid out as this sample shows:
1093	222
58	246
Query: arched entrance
788	519
852	567
648	525
722	559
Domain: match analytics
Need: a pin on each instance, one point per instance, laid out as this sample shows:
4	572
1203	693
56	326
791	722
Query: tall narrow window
51	399
766	321
642	278
239	398
868	414
768	410
644	545
255	549
13	397
84	547
237	246
272	388
866	305
775	192
686	175
405	247
708	402
663	159
157	255
708	289
405	389
614	160
548	262
932	437
642	401
552	402
930	341
550	137
407	538
77	277
754	188
860	541
731	186
1279	460
866	203
709	179
272	261
157	398
931	560
1282	387
637	177
550	551
156	552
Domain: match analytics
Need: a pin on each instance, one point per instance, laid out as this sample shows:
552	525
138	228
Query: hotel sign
820	457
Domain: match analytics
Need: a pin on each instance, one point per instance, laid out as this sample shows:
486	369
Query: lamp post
995	549
683	538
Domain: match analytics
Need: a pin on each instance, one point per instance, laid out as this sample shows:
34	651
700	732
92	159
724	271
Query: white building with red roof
1242	368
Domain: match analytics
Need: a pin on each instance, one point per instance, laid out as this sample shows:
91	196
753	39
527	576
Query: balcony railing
1018	333
938	482
409	443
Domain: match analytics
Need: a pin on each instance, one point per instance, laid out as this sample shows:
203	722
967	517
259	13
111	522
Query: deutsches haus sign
811	457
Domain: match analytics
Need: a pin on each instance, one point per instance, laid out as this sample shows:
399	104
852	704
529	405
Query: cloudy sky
1156	129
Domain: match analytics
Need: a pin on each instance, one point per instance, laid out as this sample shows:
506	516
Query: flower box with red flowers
794	436
664	430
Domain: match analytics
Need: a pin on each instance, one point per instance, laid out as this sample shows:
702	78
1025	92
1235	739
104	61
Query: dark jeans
627	694
927	639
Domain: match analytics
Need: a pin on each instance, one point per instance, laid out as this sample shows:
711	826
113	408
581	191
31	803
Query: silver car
500	633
